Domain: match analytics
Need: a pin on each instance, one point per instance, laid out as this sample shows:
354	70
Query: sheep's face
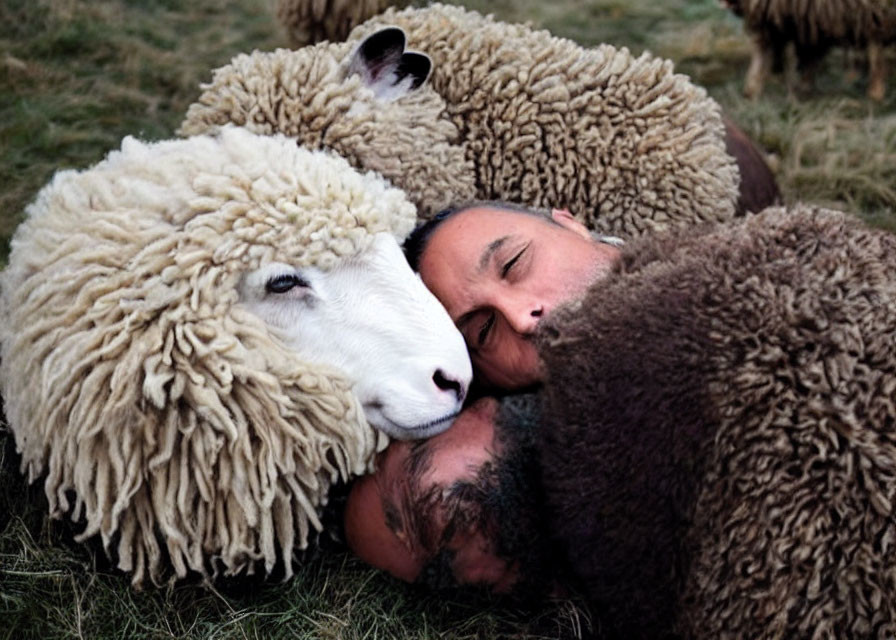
372	318
121	312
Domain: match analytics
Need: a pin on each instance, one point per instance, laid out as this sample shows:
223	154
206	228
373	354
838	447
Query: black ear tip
386	39
418	65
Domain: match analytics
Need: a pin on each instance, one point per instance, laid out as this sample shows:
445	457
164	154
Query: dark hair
418	240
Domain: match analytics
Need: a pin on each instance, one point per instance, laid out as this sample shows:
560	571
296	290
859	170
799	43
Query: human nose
523	316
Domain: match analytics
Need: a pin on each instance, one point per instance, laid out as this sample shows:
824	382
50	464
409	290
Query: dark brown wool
719	443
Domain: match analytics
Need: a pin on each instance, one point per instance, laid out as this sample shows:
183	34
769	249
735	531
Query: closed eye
510	263
284	283
484	330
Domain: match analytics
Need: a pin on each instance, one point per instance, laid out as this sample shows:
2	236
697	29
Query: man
715	450
450	510
499	269
461	508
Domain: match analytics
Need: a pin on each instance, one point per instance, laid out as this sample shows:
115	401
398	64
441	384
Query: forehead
452	259
478	226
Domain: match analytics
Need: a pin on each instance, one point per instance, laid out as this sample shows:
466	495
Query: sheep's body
510	113
728	400
165	414
310	21
814	27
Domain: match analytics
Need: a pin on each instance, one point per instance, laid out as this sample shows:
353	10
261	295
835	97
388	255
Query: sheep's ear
386	67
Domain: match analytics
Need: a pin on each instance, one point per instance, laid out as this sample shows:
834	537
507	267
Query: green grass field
78	75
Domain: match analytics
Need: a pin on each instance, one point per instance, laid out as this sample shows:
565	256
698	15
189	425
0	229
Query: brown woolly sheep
814	27
719	432
510	113
310	21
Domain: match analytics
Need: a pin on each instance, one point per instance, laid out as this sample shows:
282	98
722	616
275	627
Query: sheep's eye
284	283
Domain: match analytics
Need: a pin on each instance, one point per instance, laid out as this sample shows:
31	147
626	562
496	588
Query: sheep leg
809	58
877	72
851	70
760	63
778	46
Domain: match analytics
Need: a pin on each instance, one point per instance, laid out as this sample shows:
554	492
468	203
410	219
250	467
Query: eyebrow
490	251
419	460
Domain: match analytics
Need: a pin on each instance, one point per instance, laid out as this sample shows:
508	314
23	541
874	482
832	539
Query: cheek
569	271
570	285
511	364
457	463
475	563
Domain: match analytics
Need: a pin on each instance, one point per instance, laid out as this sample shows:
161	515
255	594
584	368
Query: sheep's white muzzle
372	318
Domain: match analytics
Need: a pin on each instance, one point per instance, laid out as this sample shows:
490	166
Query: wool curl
728	399
165	416
306	95
510	113
310	21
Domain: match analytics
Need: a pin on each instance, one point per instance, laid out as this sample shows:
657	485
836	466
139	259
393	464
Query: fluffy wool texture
718	435
306	95
164	415
508	113
310	21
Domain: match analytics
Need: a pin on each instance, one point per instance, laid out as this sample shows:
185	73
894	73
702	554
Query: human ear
566	220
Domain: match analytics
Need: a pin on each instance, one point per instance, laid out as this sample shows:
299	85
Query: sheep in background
399	131
162	360
310	21
738	445
510	113
814	27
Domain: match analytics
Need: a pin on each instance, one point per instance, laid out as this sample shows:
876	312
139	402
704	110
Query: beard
505	502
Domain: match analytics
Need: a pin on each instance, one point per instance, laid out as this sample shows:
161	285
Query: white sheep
183	326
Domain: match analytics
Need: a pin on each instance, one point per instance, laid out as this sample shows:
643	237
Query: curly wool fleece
161	411
738	446
305	94
510	113
310	21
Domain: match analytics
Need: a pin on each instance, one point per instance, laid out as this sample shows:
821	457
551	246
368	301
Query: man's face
498	272
456	509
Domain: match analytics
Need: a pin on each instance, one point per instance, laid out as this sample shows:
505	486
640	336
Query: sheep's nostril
445	383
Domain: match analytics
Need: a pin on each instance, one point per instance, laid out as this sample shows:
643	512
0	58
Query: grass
52	587
78	75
